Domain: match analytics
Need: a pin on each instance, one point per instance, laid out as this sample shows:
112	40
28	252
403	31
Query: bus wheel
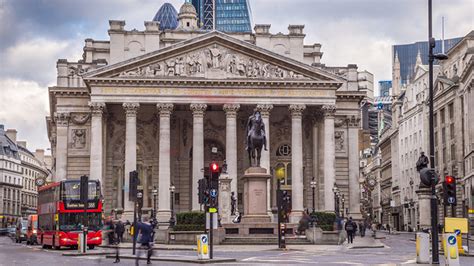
91	246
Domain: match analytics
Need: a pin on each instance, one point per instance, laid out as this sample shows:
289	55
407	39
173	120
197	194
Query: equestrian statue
256	138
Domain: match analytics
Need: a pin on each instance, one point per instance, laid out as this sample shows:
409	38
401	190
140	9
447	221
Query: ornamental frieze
215	62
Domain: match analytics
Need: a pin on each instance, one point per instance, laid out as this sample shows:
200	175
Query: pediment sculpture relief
212	62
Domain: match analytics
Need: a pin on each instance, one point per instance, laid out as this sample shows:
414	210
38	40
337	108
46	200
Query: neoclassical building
159	101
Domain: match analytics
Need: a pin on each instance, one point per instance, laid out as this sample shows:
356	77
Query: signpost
84	197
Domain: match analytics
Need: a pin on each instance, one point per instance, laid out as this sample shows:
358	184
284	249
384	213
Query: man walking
119	230
350	228
145	238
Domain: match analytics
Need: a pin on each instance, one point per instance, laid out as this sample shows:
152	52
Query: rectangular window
444	155
451	129
442	116
451	111
435	121
453	152
443	135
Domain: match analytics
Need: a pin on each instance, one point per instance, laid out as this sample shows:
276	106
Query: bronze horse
256	138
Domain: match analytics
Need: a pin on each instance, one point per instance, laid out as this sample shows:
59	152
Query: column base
163	217
295	216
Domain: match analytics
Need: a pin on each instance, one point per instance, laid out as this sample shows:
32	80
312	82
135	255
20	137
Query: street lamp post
313	187
172	219
434	204
155	194
336	199
343	209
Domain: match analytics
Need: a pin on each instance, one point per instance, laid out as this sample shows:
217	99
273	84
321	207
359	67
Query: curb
87	254
374	246
155	248
220	260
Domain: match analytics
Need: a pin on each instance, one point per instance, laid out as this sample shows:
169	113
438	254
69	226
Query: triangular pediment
213	56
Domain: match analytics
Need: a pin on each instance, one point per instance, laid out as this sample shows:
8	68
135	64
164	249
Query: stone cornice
237	83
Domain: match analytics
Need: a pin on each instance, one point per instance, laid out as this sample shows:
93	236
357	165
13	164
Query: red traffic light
214	167
449	180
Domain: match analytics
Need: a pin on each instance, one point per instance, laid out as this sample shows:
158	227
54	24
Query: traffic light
428	176
84	189
213	175
134	182
202	188
449	190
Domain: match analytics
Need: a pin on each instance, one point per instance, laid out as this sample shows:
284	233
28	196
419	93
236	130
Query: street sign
212	210
457	232
213	193
452	240
451	200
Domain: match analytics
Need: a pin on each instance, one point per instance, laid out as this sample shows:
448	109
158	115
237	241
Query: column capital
165	109
97	108
296	110
353	121
329	110
264	109
131	109
231	109
62	118
198	108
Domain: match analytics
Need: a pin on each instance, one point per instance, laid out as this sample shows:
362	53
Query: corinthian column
296	162
198	150
265	110
231	144
131	110
62	123
353	148
96	157
329	157
164	169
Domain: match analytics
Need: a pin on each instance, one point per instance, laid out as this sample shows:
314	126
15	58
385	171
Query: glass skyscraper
407	55
384	87
229	15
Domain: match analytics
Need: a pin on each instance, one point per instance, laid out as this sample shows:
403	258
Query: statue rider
422	162
255	116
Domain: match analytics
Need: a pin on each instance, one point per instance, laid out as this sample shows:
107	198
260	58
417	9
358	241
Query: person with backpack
350	228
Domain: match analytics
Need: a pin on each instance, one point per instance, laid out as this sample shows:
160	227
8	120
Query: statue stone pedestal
255	195
224	198
424	203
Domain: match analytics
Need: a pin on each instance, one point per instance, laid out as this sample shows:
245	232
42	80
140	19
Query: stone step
264	240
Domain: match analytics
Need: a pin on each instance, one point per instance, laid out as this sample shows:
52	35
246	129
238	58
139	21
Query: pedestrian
362	229
340	223
145	238
350	228
388	228
119	230
303	224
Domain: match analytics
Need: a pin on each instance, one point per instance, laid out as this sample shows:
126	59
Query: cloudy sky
35	33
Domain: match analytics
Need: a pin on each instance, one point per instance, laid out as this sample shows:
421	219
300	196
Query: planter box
319	237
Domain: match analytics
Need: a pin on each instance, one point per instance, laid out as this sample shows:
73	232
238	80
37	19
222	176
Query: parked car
31	230
21	227
12	231
3	231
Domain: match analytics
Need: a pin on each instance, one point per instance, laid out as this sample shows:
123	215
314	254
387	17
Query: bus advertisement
61	214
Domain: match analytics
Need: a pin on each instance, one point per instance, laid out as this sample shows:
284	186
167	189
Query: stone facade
19	168
158	102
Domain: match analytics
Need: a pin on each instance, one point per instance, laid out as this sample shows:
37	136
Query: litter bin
422	248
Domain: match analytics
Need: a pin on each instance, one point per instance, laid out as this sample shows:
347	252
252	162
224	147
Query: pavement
393	250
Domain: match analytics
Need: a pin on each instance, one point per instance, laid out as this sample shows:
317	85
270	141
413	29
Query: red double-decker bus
61	214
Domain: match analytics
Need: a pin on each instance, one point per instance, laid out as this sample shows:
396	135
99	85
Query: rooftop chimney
11	134
39	154
21	143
